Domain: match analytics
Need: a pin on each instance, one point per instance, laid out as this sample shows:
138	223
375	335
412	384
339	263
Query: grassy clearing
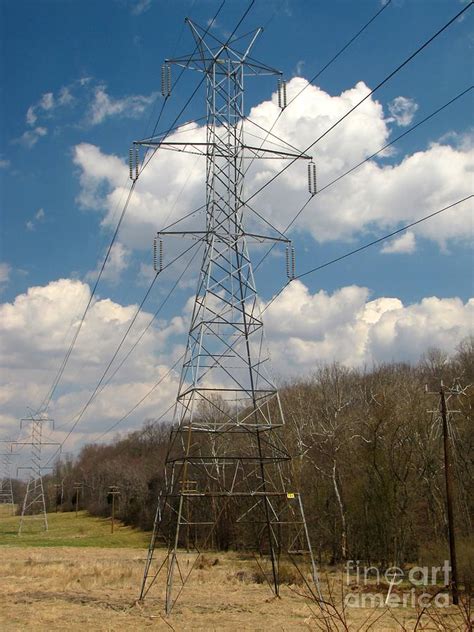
67	530
57	588
79	576
7	510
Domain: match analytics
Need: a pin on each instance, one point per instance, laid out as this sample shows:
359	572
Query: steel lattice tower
227	471
6	488
34	502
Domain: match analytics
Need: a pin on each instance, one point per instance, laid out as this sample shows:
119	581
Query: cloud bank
348	327
303	329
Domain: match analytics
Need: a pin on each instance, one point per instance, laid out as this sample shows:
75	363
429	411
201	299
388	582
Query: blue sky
81	81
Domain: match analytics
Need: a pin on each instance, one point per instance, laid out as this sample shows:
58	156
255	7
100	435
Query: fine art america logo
411	595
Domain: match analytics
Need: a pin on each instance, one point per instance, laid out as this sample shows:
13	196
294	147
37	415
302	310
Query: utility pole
77	489
34	502
448	480
113	491
227	471
449	495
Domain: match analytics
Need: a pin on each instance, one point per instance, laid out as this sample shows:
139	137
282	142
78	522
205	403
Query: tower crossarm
251	152
224	237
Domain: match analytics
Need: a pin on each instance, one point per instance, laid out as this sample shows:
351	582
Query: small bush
288	574
206	562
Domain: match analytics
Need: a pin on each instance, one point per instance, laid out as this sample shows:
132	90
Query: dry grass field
73	581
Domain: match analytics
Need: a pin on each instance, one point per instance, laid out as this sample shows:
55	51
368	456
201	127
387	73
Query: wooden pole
113	513
57	487
77	487
449	495
113	491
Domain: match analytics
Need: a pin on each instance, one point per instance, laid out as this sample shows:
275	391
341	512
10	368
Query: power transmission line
368	245
45	403
326	264
347	114
137	341
168	94
163	303
34	501
320	267
320	72
269	132
362	162
385	237
140	401
83	410
151	321
47	399
50	394
353	108
200	83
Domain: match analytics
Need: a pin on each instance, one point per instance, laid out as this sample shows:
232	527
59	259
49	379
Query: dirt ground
73	588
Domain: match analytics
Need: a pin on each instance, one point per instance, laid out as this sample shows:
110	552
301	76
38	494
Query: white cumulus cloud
47	101
31	137
104	106
304	329
117	262
95	169
405	244
166	191
403	109
35	332
94	99
37	218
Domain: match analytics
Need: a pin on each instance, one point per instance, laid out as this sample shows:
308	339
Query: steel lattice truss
227	473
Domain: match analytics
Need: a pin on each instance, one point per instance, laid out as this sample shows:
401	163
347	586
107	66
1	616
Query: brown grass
72	588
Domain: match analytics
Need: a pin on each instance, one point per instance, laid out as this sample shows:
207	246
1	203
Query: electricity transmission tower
34	502
6	488
227	472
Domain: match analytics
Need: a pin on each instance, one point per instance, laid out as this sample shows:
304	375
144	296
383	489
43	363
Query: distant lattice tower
228	475
34	502
6	487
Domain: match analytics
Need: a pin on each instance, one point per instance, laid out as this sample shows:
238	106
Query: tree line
367	459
